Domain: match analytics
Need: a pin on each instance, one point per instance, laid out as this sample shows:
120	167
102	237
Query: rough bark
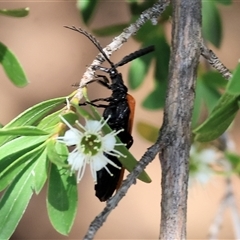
176	129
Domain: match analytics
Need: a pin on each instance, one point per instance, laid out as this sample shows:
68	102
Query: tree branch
131	179
152	14
176	129
214	61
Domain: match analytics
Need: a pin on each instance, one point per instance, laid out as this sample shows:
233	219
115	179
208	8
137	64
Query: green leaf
41	171
62	199
32	115
233	86
23	131
71	117
57	153
15	165
12	67
156	99
163	58
87	8
20	12
224	2
147	33
110	30
138	69
19	144
50	121
209	94
197	107
234	159
148	131
219	120
212	26
214	79
129	161
166	15
15	200
137	7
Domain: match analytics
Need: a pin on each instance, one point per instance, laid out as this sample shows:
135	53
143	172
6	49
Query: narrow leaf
129	161
212	26
197	106
210	95
57	157
62	199
138	69
156	99
233	86
214	79
219	120
71	117
50	121
20	12
148	131
8	173
32	115
23	131
12	67
224	2
110	30
87	8
14	201
19	144
40	172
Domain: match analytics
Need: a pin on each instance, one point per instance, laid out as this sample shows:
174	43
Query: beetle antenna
93	40
134	55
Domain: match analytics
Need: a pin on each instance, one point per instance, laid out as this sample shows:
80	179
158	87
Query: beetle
119	111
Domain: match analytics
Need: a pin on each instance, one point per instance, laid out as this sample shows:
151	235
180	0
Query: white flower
200	164
90	147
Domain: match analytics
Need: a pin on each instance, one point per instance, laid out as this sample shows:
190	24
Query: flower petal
71	137
75	159
108	142
93	126
98	161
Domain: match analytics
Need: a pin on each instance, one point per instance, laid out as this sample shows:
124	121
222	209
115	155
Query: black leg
96	100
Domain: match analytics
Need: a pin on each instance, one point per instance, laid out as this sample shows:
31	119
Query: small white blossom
90	146
200	164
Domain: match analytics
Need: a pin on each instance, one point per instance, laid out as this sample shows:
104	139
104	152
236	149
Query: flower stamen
91	147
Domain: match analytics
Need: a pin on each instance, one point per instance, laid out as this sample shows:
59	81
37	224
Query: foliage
11	65
30	156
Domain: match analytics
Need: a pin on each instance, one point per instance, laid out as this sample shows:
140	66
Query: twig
150	14
131	179
214	61
235	215
217	222
227	201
